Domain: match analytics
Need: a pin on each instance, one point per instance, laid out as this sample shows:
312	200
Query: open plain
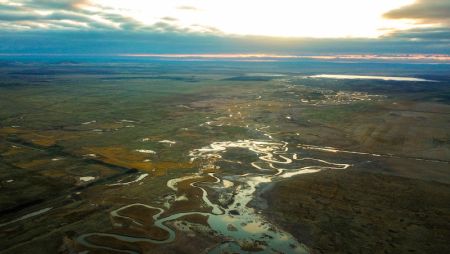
223	157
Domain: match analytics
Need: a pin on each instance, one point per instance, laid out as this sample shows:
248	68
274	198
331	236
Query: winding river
240	224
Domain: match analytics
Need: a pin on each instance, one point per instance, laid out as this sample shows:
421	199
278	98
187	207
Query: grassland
81	140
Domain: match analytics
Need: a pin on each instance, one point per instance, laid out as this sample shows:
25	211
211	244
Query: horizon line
370	56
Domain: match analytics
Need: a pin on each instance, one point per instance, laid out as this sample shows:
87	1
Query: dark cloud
17	16
429	34
4	7
424	11
431	12
28	15
123	22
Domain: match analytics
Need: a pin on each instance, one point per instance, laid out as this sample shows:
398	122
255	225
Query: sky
225	26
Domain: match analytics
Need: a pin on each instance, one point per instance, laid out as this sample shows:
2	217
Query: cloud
75	15
46	13
166	27
153	41
187	8
60	19
435	34
81	26
55	4
424	11
207	29
434	14
122	22
169	19
63	14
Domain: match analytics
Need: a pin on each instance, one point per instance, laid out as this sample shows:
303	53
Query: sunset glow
286	18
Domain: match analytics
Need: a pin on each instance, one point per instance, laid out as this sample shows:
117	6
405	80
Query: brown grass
131	159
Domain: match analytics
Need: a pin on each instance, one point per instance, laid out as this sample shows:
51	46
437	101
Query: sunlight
286	18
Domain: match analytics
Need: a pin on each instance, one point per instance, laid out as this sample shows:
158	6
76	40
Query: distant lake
336	76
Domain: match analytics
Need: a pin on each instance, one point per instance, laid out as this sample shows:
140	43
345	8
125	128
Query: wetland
166	156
